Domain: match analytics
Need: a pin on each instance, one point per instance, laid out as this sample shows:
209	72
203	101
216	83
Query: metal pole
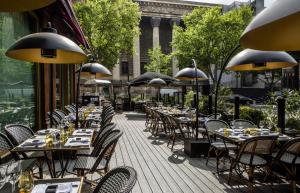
77	97
51	95
236	107
197	97
220	76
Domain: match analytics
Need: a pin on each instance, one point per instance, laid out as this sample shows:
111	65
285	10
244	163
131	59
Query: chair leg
250	178
174	136
230	171
208	155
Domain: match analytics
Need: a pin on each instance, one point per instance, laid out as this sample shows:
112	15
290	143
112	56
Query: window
17	96
124	68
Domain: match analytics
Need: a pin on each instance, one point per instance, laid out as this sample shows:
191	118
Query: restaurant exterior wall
17	78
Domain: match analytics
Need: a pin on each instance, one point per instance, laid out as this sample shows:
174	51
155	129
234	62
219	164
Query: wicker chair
253	154
60	113
241	123
70	109
56	119
6	146
289	158
98	142
118	180
17	134
212	116
176	130
220	148
100	164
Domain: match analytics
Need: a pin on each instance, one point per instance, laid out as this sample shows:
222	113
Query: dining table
238	136
70	185
79	139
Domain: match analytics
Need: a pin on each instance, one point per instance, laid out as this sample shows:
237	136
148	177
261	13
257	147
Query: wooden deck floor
161	170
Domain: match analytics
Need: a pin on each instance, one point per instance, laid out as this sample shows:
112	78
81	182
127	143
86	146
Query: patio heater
194	148
254	60
47	47
26	5
276	28
88	70
157	82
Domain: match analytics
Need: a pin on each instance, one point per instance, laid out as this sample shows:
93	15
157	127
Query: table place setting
33	142
78	141
67	187
48	131
83	132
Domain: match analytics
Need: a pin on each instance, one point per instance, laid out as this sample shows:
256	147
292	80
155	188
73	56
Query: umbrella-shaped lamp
92	69
157	82
276	28
193	73
254	60
47	47
25	5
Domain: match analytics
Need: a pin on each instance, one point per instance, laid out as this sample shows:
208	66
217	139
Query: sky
267	2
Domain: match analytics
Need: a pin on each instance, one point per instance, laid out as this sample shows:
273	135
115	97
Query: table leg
48	164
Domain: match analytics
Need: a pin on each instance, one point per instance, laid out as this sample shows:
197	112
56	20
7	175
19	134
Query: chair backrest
55	117
118	180
212	116
241	123
70	109
292	147
107	119
101	134
215	124
18	133
108	147
60	113
6	145
261	145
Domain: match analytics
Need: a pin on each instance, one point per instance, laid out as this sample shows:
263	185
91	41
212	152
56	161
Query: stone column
116	71
136	60
175	69
155	21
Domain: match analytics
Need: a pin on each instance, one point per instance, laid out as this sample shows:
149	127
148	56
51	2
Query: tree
159	62
109	26
209	36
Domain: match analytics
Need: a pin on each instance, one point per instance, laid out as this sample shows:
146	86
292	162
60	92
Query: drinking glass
13	171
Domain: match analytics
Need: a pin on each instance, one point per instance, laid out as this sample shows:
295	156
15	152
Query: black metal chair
254	153
60	113
100	164
242	123
220	147
118	180
289	157
212	116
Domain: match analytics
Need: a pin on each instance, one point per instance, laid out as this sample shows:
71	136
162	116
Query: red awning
70	17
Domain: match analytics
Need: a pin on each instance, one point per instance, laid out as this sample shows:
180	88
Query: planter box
195	148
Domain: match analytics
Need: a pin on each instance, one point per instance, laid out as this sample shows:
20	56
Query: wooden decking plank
146	184
190	180
168	175
159	179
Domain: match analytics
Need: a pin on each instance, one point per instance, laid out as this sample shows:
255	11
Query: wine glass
13	171
3	175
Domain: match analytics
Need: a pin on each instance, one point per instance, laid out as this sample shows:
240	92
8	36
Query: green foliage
224	92
159	62
293	123
189	97
109	26
209	36
292	105
251	114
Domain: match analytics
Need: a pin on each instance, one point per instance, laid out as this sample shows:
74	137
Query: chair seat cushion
27	164
36	154
287	158
246	159
86	163
84	152
221	146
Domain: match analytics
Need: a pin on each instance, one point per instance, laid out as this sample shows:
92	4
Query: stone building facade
158	20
